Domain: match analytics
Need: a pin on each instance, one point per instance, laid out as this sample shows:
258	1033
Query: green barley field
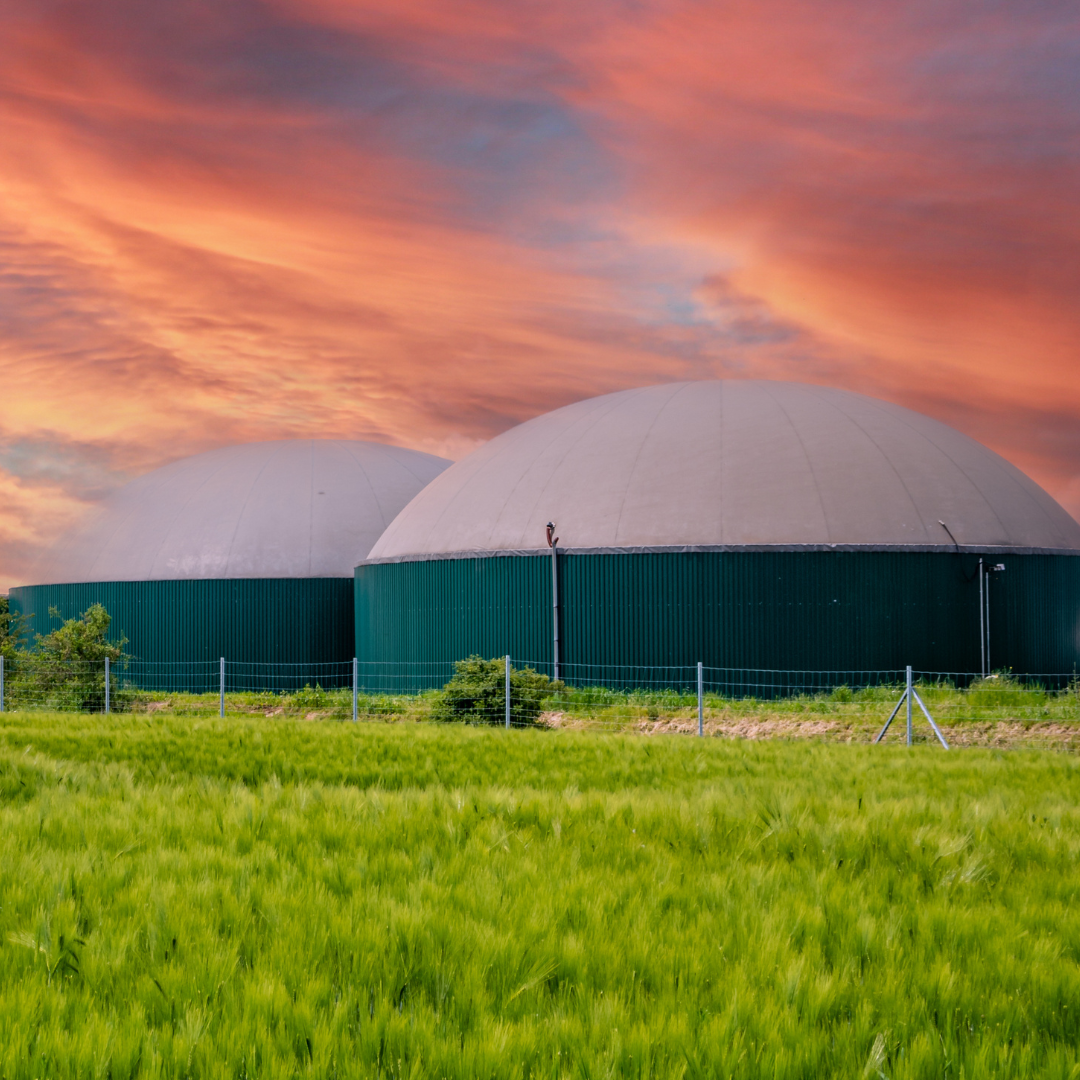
186	896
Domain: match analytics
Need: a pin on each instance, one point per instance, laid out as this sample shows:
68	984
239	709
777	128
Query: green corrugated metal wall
793	610
247	620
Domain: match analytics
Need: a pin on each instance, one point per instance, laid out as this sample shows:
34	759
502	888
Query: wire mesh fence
696	699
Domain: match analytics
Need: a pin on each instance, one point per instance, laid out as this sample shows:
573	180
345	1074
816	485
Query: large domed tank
746	524
245	552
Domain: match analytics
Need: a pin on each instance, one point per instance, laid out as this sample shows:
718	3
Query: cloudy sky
422	221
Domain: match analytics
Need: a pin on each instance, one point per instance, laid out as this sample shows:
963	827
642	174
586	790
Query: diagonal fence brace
910	696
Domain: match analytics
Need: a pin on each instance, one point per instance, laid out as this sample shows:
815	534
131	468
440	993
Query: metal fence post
908	695
700	699
107	702
508	690
1	682
354	674
221	710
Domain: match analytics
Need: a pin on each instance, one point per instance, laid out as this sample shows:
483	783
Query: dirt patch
1045	734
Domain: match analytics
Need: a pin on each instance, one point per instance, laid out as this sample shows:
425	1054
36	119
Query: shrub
308	699
315	700
66	668
12	628
476	694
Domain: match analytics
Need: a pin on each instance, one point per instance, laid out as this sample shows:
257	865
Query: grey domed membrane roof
284	509
730	463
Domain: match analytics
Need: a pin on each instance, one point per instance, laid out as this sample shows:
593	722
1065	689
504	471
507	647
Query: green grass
257	897
601	708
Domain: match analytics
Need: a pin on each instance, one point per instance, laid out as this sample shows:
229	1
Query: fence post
1	682
908	695
107	684
508	690
354	674
700	699
221	683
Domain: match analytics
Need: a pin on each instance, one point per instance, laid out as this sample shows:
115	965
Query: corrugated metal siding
249	620
815	611
439	612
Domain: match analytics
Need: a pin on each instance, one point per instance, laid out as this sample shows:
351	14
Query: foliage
558	906
66	667
476	693
1046	713
1002	689
311	700
12	629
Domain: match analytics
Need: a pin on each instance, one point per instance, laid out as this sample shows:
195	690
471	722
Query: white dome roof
284	509
729	463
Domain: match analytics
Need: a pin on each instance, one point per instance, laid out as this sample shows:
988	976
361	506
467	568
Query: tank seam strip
946	549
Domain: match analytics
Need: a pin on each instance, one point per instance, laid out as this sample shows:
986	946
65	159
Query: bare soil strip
1041	734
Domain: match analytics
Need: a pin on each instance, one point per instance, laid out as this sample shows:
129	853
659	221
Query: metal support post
221	709
107	680
996	568
892	717
1	682
700	699
910	695
354	682
907	694
555	605
982	625
926	713
553	543
508	690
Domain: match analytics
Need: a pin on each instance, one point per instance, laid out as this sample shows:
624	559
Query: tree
66	667
12	628
476	693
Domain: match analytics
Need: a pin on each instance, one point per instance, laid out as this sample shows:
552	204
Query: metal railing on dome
695	699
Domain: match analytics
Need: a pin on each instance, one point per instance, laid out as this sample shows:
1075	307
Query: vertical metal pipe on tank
107	702
982	625
507	690
221	685
700	699
988	669
553	543
354	681
908	695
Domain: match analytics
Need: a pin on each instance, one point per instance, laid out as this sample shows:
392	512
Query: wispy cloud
423	222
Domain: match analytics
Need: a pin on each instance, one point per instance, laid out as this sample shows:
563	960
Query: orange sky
425	221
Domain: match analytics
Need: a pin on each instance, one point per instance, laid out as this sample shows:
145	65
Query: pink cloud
426	221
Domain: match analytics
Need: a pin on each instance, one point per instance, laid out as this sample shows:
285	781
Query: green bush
12	628
476	694
309	700
66	668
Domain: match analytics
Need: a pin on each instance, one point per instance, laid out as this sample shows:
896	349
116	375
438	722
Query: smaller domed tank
245	552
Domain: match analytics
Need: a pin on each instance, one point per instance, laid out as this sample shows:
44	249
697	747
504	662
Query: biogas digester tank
745	524
245	552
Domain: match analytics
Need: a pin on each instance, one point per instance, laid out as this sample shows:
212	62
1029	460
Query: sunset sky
423	221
